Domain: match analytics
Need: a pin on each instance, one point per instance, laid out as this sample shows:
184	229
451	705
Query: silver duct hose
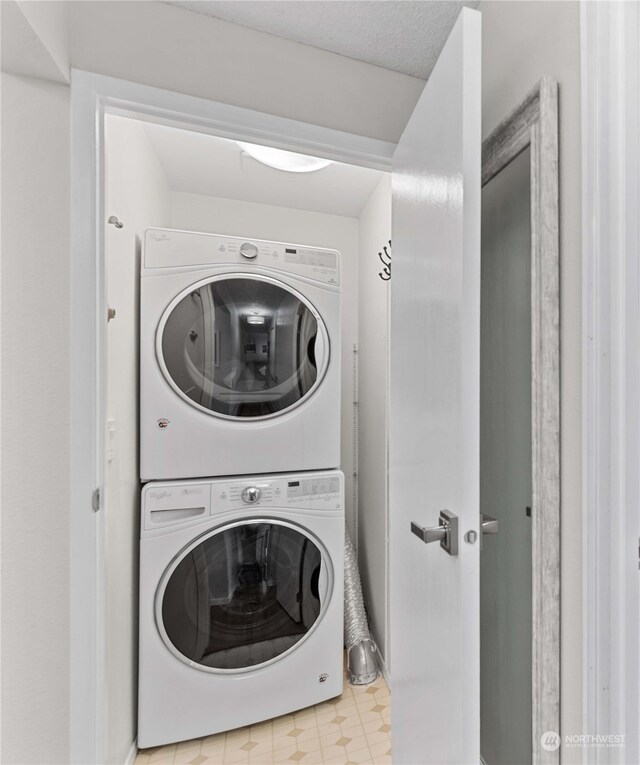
362	652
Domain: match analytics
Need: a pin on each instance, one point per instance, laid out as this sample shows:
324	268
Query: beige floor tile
307	734
330	739
380	749
284	743
266	758
304	713
261	748
283	724
162	752
311	745
371	726
357	743
346	707
141	759
237	737
211	748
236	757
371	715
374	739
326	716
306	722
312	758
360	756
214	759
282	755
334	754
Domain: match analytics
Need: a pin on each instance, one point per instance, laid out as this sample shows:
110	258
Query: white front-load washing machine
241	601
239	356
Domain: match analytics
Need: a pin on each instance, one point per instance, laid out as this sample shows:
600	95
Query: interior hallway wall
521	42
373	333
195	212
137	192
35	421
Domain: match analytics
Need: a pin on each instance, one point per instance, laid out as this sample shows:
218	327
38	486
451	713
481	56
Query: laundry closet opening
164	177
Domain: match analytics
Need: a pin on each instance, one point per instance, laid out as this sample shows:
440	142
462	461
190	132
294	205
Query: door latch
446	532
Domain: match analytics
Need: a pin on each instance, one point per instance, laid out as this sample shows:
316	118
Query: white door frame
611	375
92	97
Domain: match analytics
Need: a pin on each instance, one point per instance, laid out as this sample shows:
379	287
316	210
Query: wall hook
385	259
115	222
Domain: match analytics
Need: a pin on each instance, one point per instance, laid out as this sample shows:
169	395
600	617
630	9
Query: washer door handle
323	583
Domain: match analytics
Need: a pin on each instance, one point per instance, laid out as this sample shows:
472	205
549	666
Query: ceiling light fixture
284	160
255	319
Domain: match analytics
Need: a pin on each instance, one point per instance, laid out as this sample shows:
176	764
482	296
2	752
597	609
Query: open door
434	414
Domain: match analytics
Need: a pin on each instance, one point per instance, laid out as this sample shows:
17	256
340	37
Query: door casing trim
93	96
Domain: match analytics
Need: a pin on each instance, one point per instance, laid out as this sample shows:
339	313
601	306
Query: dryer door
242	346
243	595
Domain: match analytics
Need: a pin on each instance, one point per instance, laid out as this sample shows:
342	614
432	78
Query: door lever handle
488	524
428	533
446	532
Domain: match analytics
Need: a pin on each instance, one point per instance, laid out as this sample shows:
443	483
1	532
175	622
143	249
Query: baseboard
131	755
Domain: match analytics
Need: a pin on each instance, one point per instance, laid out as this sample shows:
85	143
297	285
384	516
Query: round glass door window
243	596
242	347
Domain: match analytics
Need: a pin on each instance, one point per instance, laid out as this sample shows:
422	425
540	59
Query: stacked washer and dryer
242	523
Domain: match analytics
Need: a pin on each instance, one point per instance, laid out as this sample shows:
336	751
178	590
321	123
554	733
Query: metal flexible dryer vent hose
362	652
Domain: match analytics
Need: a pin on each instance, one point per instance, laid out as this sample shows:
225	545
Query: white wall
373	326
158	44
35	421
137	192
194	212
521	42
34	39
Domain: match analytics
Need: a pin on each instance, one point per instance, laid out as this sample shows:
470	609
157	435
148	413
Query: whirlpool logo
323	678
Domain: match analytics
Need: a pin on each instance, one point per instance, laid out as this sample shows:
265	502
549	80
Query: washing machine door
242	346
243	595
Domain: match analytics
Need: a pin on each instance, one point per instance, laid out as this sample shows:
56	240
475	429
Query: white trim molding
92	96
611	374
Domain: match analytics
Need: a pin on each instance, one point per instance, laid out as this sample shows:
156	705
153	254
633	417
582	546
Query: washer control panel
315	491
187	502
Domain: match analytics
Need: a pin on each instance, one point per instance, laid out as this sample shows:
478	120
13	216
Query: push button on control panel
251	495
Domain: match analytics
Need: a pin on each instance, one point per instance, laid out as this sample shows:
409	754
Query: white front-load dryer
239	356
241	601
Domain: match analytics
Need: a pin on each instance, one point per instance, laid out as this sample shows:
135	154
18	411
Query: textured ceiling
217	167
403	35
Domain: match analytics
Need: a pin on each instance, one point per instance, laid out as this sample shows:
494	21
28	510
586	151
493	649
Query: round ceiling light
284	160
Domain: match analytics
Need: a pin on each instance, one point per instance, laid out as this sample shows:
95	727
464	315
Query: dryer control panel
172	503
166	248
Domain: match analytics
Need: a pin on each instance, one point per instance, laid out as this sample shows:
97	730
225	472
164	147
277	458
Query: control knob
248	250
251	495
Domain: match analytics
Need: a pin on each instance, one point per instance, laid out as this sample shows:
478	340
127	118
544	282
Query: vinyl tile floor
353	728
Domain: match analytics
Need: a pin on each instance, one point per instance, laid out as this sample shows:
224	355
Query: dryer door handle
318	351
